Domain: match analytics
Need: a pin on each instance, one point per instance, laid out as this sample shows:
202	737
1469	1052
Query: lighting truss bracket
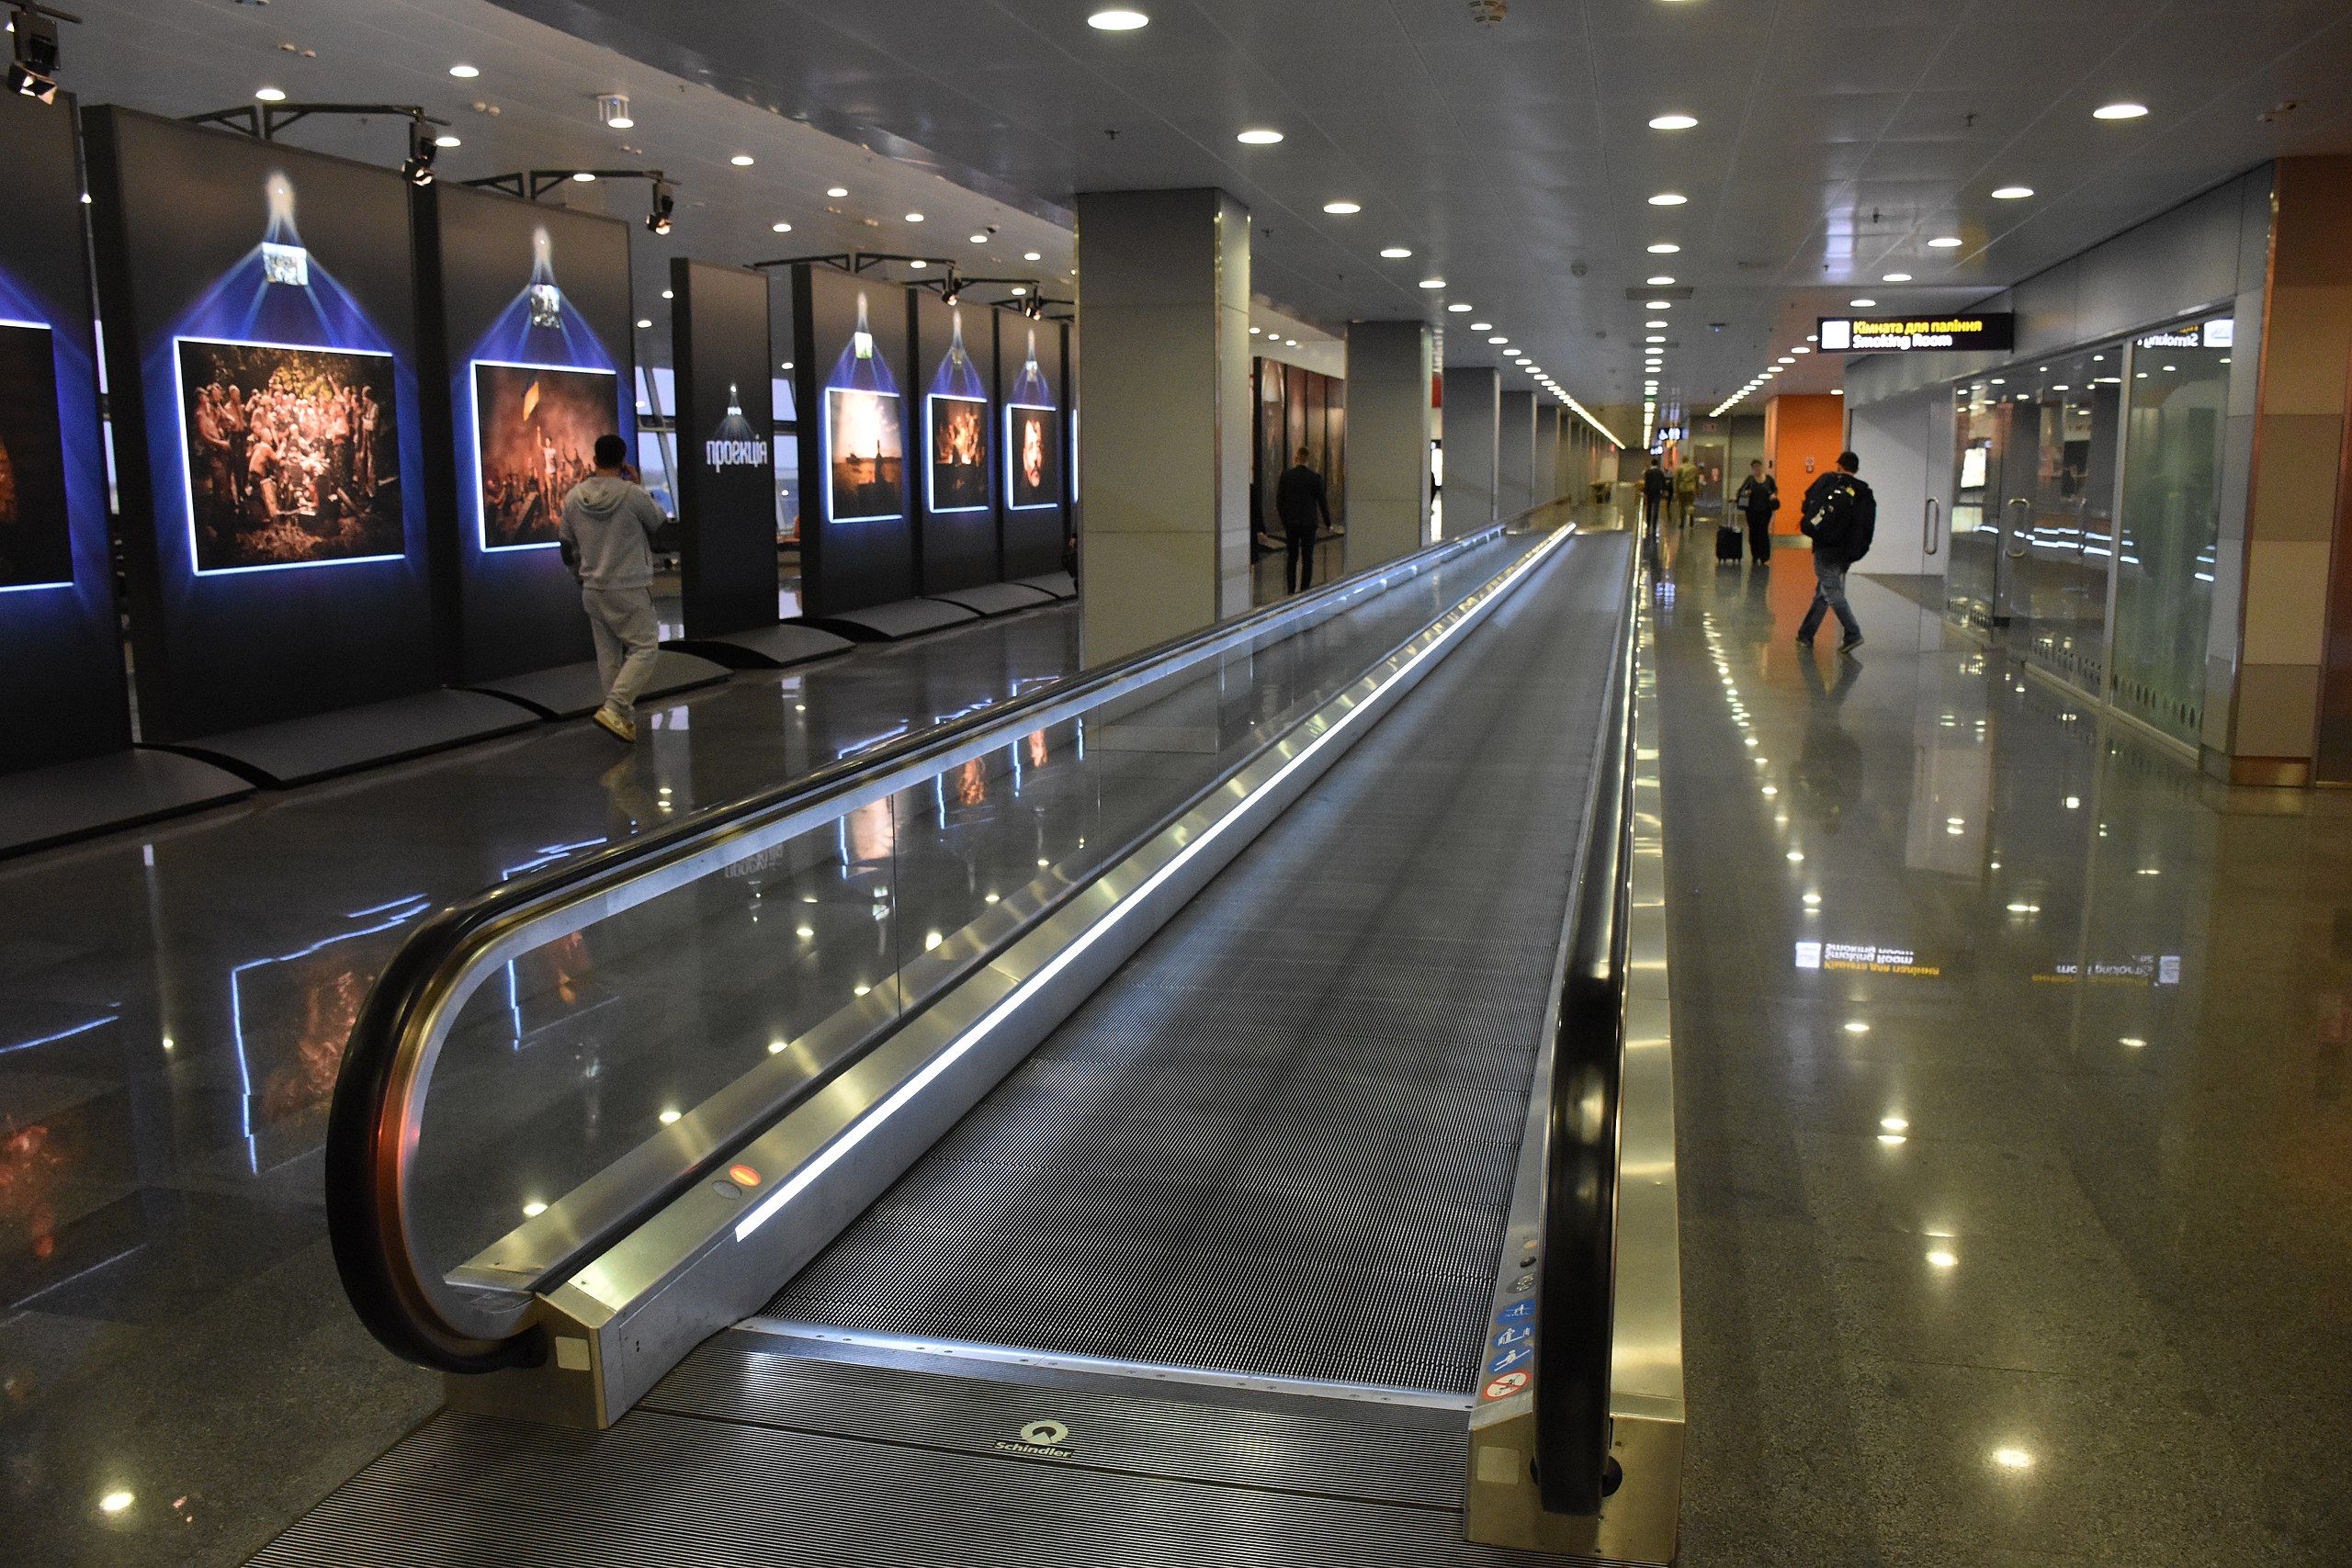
533	184
264	121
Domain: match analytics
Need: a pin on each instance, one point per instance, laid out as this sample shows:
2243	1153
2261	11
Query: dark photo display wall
956	478
1035	435
861	440
1298	407
261	344
531	306
726	467
58	624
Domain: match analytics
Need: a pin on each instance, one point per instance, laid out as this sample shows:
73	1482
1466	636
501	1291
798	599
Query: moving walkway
1214	1108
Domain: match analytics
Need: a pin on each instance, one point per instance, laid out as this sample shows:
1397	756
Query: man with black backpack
1841	518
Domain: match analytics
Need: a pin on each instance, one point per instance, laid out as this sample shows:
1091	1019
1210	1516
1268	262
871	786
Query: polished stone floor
2015	1111
178	1370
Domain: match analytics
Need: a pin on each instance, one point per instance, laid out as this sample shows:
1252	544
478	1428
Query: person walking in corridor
1655	487
607	540
1758	498
1304	506
1841	518
1685	492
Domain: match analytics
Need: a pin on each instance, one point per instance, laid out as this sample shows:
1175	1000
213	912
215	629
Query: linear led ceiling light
1118	19
1258	138
1674	122
2120	112
1343	208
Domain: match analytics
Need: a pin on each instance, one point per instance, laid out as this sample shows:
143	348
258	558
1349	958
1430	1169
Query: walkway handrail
376	1114
1576	1277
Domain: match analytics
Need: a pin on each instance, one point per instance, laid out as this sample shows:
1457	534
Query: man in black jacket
1758	498
1840	516
1656	487
1301	502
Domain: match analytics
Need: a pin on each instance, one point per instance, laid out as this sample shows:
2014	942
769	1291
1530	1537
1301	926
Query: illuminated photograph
35	544
959	455
1032	457
293	454
867	453
534	437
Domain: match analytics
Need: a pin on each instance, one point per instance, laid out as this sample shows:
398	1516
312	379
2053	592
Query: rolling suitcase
1727	545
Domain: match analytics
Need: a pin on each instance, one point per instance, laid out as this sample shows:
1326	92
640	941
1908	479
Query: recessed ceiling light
1482	326
1861	304
979	239
584	178
1118	19
270	94
1498	342
1898	277
1343	208
1669	199
1664	249
645	321
1652	340
1259	138
1945	241
1653	323
742	160
1396	252
1660	282
447	142
1800	349
914	217
1290	343
2012	193
1659	305
1458	309
669	294
2120	112
1032	255
1432	283
837	192
464	72
1674	122
780	228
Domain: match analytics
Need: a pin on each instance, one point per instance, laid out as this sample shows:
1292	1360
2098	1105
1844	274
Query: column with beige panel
1547	453
1163	309
1389	428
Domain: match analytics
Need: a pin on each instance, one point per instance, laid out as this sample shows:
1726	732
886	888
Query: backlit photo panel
1031	457
292	454
36	545
865	455
534	437
959	454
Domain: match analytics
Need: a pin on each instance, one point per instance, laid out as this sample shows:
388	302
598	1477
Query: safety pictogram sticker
1506	1385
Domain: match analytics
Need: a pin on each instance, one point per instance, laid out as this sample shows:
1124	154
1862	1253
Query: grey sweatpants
628	642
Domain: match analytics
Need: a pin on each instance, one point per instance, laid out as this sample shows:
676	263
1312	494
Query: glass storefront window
2177	400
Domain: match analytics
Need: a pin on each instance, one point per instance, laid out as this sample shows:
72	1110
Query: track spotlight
953	290
32	58
422	150
665	203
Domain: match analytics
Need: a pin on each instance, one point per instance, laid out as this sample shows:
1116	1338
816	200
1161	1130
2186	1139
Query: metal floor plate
1280	1140
681	1492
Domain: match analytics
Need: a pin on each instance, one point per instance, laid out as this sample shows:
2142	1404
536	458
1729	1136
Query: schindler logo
735	444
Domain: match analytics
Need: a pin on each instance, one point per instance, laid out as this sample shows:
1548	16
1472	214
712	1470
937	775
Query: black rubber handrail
1577	1276
367	1124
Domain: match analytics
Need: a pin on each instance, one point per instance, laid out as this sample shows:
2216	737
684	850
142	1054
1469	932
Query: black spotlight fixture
32	54
665	203
953	289
422	150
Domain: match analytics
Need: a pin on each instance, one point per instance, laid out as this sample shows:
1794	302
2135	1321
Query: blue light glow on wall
77	434
864	434
538	330
1031	440
277	297
955	431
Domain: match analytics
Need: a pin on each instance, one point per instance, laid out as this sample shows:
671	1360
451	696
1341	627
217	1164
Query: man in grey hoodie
607	540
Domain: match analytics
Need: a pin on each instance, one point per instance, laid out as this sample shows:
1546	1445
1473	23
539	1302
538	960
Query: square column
1389	426
1163	309
1548	454
1515	452
1473	420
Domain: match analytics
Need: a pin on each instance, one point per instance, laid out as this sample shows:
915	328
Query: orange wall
1798	428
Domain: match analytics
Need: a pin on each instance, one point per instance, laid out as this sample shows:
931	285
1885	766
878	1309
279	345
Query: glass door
1974	581
2059	523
